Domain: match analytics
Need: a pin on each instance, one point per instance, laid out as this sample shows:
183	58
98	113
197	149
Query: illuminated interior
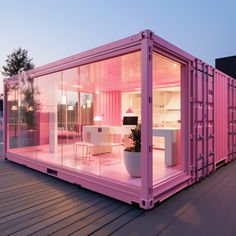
75	118
166	116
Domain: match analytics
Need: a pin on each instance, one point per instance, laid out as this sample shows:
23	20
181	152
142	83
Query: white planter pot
132	162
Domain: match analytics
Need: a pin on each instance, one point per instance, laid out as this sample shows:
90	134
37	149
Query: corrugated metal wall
213	119
231	118
203	120
221	117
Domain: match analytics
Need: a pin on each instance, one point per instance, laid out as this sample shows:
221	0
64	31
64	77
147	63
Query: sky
54	29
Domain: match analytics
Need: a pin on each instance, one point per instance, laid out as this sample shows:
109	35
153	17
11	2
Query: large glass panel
69	123
96	97
166	118
80	118
22	117
49	98
12	116
120	108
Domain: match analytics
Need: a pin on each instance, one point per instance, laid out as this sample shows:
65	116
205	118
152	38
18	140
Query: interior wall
111	108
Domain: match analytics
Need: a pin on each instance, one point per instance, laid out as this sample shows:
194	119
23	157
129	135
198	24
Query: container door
203	84
231	119
209	120
234	119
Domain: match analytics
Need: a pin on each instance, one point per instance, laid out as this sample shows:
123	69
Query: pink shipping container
72	119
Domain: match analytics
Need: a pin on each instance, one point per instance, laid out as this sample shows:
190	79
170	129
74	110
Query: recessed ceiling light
76	86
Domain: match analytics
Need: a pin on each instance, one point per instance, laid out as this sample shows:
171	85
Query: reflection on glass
53	116
166	118
22	116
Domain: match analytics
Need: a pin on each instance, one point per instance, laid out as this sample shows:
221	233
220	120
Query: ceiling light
97	118
76	86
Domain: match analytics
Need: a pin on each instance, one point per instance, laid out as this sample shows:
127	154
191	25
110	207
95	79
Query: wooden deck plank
220	221
110	227
13	179
32	183
31	204
69	224
34	196
19	186
97	222
17	190
11	175
44	219
41	207
43	222
206	208
20	171
35	190
160	218
77	221
67	201
47	193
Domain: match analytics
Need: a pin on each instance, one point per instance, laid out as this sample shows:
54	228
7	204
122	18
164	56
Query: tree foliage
17	62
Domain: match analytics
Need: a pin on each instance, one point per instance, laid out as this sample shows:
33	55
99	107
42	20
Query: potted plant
132	154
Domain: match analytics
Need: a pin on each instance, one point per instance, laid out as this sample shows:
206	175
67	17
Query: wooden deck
32	203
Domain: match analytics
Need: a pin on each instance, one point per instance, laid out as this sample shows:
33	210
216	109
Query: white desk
98	135
171	136
172	147
122	130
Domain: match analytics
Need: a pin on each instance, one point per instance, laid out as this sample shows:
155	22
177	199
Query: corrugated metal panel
231	118
203	84
221	117
234	119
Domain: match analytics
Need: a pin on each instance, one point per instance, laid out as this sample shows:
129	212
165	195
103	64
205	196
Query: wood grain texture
32	203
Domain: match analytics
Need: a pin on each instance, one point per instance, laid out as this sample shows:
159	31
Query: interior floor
108	165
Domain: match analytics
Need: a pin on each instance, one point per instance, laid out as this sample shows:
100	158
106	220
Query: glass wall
49	131
75	117
166	117
22	116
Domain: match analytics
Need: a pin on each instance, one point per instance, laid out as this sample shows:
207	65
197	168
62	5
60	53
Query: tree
17	62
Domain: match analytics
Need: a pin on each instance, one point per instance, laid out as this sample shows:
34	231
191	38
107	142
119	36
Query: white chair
85	148
117	145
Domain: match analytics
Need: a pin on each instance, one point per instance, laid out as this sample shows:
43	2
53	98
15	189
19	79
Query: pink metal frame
147	42
146	107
